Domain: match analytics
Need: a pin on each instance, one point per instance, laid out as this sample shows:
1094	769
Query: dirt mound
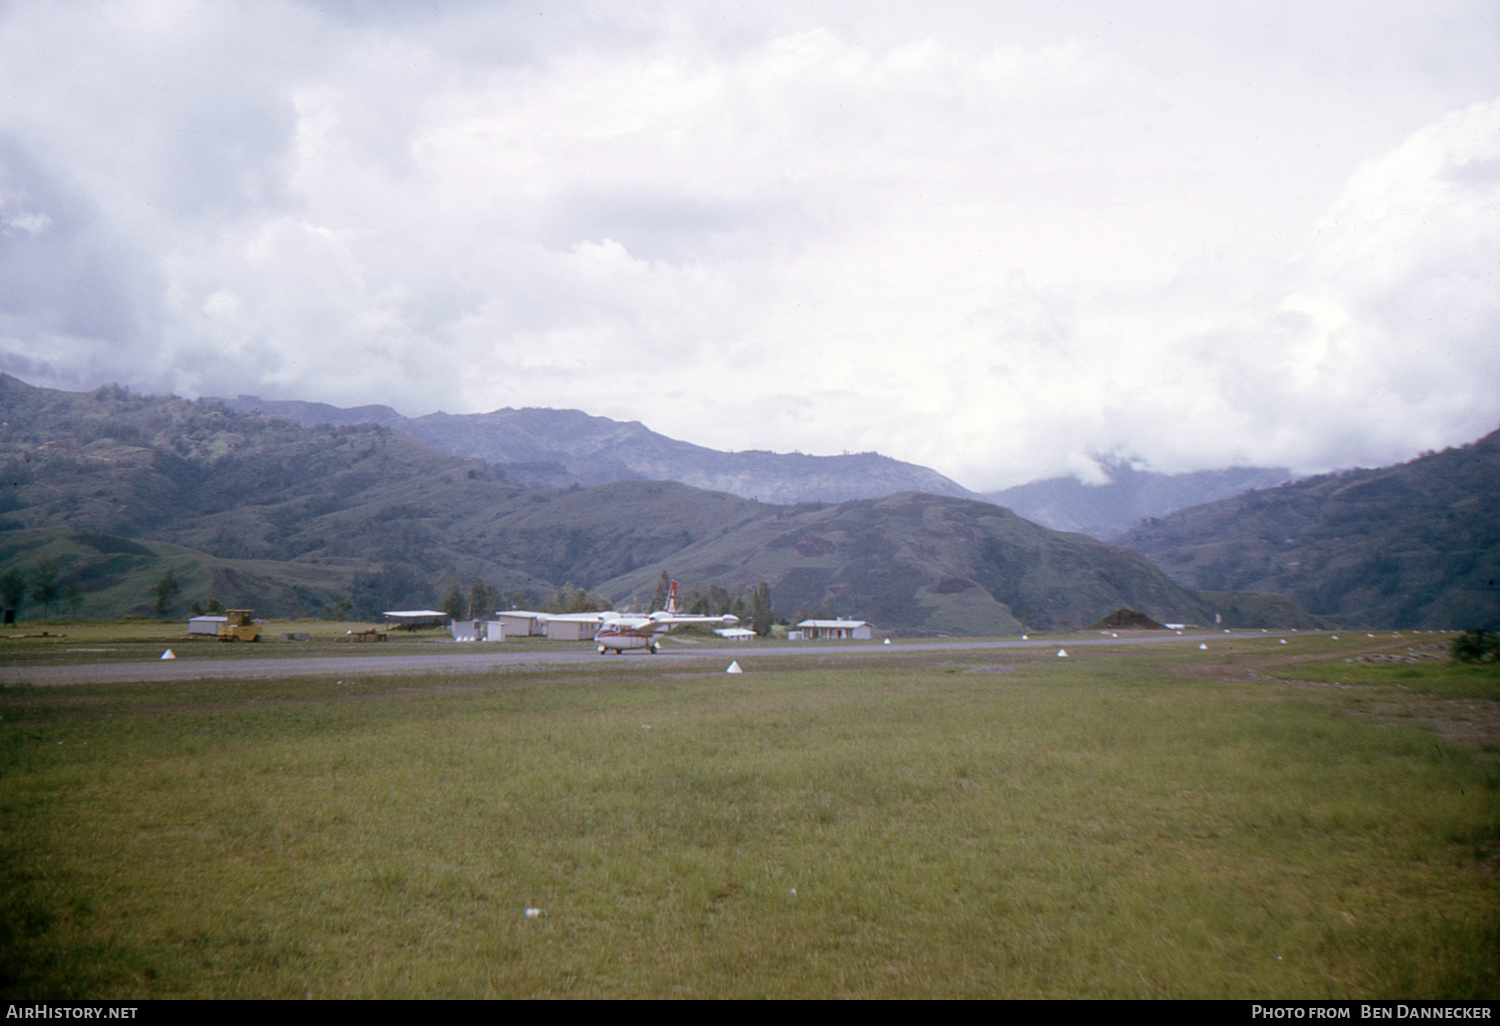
1127	619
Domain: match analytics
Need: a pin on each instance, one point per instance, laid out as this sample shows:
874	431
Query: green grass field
1150	823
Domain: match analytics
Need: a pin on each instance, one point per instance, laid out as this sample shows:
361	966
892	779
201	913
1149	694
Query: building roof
834	623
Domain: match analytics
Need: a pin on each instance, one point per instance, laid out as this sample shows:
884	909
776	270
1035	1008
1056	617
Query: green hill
1414	545
933	563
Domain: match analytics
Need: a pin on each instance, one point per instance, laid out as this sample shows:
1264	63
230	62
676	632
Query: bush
1476	646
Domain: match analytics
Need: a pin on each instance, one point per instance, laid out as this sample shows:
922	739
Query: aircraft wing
727	620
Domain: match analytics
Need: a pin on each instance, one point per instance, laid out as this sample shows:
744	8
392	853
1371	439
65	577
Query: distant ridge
1106	510
1413	545
549	448
310	414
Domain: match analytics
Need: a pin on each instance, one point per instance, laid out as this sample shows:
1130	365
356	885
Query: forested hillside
1414	545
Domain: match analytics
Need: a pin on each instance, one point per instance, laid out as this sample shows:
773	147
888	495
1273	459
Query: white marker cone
1203	648
1283	641
887	641
1062	653
734	667
169	654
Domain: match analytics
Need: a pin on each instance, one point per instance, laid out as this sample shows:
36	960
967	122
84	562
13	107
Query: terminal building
835	630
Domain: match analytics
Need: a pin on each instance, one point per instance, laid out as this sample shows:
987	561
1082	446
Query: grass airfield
1254	820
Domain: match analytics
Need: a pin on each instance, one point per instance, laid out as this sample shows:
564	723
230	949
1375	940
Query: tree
659	596
482	601
455	603
761	613
718	600
1476	646
13	588
569	599
44	586
165	589
73	598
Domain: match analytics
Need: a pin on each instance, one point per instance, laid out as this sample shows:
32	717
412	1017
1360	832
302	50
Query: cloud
996	239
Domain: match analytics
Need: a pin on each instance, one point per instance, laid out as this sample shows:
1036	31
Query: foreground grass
1091	827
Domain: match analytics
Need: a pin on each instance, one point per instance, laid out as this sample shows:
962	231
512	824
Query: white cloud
995	239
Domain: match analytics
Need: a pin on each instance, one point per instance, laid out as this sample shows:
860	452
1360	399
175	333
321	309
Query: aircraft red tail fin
672	599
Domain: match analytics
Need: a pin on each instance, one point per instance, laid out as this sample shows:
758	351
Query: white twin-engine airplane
621	631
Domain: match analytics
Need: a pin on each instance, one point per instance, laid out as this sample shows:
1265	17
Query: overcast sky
991	238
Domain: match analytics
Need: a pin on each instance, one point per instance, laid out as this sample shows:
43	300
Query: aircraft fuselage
621	639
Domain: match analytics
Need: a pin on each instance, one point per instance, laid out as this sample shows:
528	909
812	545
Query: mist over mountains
1129	496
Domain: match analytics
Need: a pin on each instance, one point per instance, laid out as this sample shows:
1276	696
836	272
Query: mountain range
352	515
556	448
113	489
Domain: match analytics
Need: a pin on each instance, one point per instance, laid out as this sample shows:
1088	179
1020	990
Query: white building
840	630
477	630
735	633
522	623
411	619
574	626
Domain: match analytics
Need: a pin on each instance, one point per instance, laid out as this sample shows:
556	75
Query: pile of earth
1127	619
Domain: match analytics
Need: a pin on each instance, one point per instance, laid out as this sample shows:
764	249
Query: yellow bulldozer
240	626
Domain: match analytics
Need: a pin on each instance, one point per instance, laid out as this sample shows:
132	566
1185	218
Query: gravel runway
471	662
